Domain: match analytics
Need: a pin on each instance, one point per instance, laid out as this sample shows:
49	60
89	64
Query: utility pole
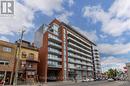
18	58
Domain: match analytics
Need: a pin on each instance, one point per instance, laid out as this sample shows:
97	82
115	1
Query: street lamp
18	58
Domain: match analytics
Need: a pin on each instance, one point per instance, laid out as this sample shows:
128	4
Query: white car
87	80
110	79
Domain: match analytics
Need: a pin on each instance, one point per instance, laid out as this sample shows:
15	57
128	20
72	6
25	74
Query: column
11	78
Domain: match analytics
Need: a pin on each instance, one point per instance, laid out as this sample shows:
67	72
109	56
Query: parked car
87	80
110	79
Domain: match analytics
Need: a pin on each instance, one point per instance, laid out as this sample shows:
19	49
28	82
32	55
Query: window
31	56
6	49
55	29
30	65
23	64
2	62
24	55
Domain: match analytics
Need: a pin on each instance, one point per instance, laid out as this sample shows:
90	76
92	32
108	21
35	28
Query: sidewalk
58	83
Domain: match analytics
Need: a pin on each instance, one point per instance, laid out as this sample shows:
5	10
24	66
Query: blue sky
106	22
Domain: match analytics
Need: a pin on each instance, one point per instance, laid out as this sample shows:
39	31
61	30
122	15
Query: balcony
79	57
54	65
89	64
71	66
72	39
54	45
54	38
30	59
79	38
82	49
30	69
79	52
89	69
54	59
54	51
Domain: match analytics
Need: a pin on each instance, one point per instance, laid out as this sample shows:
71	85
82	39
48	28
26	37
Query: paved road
97	83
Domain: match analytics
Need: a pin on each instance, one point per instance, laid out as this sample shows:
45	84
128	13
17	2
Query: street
96	83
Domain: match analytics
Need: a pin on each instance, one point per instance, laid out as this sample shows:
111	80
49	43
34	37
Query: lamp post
18	58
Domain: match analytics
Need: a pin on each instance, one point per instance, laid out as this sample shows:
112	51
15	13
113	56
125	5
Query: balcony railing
55	59
79	43
32	60
79	38
79	52
80	48
51	50
54	65
54	44
50	36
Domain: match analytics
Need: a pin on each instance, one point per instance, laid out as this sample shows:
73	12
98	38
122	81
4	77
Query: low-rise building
7	61
28	61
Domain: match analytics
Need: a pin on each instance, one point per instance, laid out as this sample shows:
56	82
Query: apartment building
65	54
7	61
96	63
28	62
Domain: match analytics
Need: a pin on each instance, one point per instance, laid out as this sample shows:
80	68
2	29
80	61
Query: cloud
24	15
120	40
4	38
47	7
113	62
102	36
90	35
115	21
71	2
114	49
64	17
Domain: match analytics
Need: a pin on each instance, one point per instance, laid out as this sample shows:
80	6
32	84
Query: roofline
7	42
68	26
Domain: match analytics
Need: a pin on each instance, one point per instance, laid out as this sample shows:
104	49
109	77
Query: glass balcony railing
54	44
55	59
54	37
54	51
79	52
79	57
79	38
90	69
72	44
54	65
79	43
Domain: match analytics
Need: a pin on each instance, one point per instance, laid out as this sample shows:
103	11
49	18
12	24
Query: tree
112	73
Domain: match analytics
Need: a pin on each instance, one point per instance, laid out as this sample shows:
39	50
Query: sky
105	22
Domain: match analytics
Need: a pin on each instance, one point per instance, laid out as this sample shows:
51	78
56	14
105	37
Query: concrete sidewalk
58	83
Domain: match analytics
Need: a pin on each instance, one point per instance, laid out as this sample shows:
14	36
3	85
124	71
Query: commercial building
28	62
65	54
7	61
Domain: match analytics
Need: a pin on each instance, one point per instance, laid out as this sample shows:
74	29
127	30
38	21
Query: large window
6	49
54	29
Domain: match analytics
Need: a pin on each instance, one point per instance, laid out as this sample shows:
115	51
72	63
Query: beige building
7	61
28	62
